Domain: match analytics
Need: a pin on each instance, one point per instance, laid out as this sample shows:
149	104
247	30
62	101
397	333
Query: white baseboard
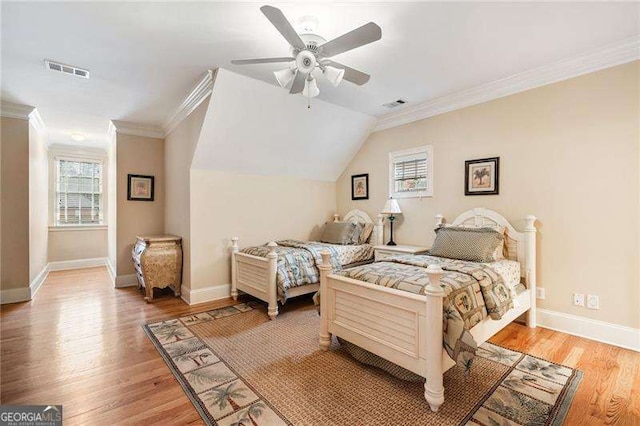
126	280
112	271
37	281
24	294
613	334
15	295
77	264
206	294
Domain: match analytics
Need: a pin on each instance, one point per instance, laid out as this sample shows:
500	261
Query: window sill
58	228
420	194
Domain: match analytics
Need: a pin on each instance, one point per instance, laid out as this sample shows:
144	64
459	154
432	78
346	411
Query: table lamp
391	208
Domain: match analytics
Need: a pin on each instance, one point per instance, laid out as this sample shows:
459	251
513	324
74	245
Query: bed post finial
336	217
379	231
234	285
325	269
433	386
530	262
272	292
439	220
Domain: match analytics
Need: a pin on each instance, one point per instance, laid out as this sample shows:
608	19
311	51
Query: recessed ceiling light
78	137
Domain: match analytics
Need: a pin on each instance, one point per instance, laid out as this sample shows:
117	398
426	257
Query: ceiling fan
310	51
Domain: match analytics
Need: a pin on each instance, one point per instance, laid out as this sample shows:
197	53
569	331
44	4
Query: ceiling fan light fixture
334	75
310	88
284	77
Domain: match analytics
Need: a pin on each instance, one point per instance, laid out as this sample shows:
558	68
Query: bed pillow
472	244
367	229
357	233
338	233
501	251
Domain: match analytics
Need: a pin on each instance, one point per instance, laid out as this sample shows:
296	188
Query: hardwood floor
80	343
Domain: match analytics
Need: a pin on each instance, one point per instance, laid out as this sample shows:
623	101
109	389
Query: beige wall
15	203
179	147
75	245
38	202
569	154
257	209
142	156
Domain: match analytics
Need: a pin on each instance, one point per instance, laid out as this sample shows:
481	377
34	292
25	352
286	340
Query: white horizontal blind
78	192
410	175
411	172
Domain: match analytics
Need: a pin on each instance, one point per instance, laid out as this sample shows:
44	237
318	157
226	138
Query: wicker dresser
158	263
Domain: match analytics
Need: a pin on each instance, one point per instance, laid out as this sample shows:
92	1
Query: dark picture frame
135	181
482	176
360	186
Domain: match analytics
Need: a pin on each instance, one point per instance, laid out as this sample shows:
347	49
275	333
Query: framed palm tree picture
482	176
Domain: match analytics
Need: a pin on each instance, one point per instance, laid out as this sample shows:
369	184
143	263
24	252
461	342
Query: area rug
240	368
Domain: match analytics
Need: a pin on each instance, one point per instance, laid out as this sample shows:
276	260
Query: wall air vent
395	103
66	69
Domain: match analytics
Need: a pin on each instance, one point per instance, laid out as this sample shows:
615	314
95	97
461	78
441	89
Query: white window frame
55	226
426	152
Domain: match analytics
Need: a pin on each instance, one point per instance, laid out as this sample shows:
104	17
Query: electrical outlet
578	299
540	293
593	301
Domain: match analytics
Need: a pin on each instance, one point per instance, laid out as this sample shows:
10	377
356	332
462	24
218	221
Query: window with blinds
78	192
410	173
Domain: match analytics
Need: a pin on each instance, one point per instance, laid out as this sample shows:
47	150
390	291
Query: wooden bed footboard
406	328
401	327
255	275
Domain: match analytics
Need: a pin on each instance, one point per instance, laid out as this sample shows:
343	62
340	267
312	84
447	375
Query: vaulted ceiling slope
253	127
145	56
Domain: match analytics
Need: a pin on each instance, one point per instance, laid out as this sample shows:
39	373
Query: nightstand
384	252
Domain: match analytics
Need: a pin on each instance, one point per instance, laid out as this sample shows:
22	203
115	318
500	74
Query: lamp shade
334	75
310	88
284	77
391	207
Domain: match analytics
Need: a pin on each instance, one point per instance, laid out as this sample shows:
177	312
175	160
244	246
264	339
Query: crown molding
198	94
111	129
134	129
36	121
611	55
19	111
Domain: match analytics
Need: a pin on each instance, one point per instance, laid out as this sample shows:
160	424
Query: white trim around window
69	155
411	173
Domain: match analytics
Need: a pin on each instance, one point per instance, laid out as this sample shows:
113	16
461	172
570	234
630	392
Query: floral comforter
473	292
297	261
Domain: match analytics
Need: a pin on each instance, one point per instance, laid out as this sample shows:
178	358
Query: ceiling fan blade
261	61
277	18
366	34
350	74
298	83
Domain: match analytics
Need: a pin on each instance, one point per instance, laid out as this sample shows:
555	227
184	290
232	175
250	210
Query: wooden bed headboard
521	246
359	216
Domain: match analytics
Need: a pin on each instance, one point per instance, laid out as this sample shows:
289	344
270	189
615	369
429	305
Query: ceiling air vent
394	104
66	69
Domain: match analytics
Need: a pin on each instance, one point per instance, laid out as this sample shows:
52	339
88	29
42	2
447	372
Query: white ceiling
145	57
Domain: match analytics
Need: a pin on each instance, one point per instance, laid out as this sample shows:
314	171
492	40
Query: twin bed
401	309
265	272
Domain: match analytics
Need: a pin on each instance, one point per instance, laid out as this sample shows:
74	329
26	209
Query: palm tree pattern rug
239	368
